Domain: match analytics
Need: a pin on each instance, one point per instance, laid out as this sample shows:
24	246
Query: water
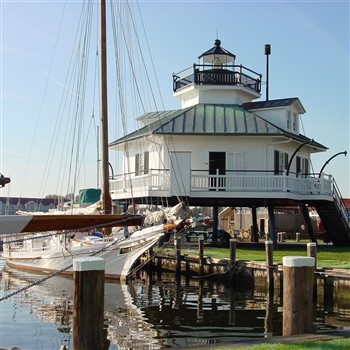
156	313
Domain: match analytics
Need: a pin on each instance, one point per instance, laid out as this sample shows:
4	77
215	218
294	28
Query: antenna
267	53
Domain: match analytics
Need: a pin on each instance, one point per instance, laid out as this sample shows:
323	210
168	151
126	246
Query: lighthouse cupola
217	58
216	79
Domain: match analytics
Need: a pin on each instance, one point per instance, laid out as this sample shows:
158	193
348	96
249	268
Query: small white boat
54	251
47	254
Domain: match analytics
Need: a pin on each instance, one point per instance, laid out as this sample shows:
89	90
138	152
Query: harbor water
149	312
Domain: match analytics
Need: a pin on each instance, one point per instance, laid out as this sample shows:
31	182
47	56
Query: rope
227	268
165	245
7	296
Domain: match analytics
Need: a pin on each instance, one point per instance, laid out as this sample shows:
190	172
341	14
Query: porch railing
202	181
199	74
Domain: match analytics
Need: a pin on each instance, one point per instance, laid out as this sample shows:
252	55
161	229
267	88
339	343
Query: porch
201	184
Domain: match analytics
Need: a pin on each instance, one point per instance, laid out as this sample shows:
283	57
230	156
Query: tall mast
106	198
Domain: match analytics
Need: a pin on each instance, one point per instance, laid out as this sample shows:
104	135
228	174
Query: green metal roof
216	119
209	119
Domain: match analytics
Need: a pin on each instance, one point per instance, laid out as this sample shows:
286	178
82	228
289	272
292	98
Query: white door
180	173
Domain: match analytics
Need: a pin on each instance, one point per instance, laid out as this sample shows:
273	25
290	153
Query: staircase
335	218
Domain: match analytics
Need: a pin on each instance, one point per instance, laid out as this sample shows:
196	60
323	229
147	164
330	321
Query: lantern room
216	79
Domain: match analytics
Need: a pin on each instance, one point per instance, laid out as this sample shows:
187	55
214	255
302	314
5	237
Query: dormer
284	113
216	79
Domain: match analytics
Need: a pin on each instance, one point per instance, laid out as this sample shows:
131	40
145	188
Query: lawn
327	255
336	344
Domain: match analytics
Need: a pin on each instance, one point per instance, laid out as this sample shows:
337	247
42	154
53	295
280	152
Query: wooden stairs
335	219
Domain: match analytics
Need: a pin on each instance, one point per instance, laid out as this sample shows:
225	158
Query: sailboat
49	243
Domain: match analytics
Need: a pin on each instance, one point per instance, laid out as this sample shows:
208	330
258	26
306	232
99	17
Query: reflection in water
197	312
147	313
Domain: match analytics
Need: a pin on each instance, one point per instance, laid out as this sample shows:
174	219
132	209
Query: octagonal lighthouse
216	79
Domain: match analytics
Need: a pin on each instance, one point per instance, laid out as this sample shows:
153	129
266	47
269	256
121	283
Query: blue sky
309	60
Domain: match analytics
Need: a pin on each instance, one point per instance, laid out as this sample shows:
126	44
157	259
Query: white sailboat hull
55	255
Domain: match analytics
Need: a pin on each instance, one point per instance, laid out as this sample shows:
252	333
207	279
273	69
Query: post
88	278
312	251
150	257
177	243
233	246
215	222
267	53
308	223
297	236
254	230
269	264
298	280
201	255
272	225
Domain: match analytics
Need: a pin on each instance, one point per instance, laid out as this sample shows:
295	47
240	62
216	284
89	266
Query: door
180	173
217	166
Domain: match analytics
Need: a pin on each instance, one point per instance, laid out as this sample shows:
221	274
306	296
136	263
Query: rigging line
43	97
129	55
142	56
157	82
66	91
87	41
94	120
303	128
121	96
151	57
148	79
138	91
79	102
144	64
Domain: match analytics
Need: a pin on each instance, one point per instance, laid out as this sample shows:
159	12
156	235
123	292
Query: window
288	119
295	122
280	162
142	163
302	167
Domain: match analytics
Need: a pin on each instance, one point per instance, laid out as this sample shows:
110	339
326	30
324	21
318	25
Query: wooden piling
233	246
312	251
177	244
298	280
297	236
88	279
149	259
201	255
269	264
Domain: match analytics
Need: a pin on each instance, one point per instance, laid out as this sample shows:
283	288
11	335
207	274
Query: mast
106	198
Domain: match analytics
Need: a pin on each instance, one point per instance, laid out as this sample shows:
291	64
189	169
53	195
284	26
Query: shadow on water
157	311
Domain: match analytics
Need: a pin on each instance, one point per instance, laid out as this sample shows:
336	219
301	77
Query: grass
336	344
327	256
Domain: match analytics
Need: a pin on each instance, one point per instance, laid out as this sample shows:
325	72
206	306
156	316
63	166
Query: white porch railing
157	183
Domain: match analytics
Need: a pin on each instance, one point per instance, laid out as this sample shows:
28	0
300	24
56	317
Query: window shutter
276	162
137	164
298	165
285	161
306	169
146	163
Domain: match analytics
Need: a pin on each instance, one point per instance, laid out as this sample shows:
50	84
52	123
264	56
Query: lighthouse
216	79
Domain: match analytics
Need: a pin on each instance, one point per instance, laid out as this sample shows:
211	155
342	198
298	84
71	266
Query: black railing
230	75
339	203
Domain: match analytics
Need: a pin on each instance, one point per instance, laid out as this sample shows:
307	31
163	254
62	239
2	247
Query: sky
309	60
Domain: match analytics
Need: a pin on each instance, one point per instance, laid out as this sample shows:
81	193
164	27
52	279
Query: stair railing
339	203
